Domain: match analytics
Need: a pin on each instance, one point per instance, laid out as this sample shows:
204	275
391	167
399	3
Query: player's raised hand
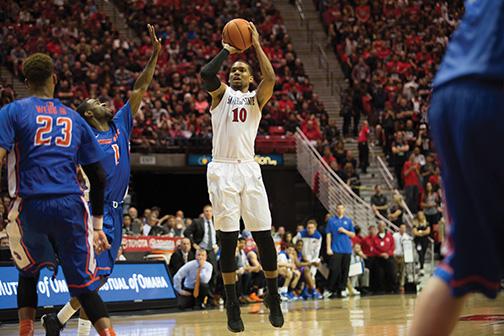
232	50
100	241
254	33
154	40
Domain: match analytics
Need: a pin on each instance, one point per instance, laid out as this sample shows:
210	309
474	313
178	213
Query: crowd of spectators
389	52
311	266
92	60
86	50
191	32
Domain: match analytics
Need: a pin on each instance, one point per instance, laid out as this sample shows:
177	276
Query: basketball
237	34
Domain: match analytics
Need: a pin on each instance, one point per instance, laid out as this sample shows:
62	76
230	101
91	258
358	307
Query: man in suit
180	257
202	235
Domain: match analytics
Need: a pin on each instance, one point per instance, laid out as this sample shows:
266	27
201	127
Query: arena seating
389	52
93	61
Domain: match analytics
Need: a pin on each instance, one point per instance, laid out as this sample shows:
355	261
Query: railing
299	6
331	82
390	181
330	188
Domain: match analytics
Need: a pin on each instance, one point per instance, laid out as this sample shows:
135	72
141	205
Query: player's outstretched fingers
254	33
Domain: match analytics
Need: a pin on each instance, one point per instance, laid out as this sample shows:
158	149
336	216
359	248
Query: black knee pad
93	305
267	250
27	292
228	241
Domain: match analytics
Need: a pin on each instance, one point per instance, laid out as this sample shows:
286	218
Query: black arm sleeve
209	72
97	179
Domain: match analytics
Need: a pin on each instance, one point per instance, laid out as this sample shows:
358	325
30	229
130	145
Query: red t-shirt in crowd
313	134
384	245
363	134
411	178
329	159
434	180
366	103
357	240
363	13
367	244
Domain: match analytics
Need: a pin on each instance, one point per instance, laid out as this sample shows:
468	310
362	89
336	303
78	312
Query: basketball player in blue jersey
467	123
49	217
112	133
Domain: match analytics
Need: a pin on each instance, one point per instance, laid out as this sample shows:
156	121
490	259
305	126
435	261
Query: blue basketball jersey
477	46
46	141
115	144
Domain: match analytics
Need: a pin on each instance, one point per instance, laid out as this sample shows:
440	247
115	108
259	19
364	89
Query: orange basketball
237	34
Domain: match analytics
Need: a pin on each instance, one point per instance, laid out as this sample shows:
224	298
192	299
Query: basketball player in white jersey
235	183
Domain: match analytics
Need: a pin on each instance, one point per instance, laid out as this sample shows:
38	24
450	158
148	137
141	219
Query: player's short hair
249	67
311	221
38	68
83	107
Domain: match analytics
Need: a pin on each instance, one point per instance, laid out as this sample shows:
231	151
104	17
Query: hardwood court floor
379	315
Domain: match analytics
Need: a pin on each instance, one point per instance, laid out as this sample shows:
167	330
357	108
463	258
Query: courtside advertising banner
129	282
150	244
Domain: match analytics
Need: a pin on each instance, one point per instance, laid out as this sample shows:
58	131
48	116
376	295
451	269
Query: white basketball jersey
235	122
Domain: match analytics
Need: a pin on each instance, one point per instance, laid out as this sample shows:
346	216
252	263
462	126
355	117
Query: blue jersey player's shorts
467	121
46	231
112	227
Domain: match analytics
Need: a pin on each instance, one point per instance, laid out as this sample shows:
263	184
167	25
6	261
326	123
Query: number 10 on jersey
239	114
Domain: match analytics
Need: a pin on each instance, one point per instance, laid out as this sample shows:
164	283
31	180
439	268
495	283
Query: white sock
84	327
66	313
283	290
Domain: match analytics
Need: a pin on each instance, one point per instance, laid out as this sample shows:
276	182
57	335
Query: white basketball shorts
237	190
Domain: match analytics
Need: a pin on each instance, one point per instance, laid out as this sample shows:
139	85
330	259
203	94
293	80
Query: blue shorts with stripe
467	124
46	231
112	227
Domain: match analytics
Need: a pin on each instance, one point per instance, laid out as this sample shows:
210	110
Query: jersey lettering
117	154
66	140
46	126
242	114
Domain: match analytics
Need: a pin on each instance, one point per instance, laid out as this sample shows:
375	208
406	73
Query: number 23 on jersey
45	127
